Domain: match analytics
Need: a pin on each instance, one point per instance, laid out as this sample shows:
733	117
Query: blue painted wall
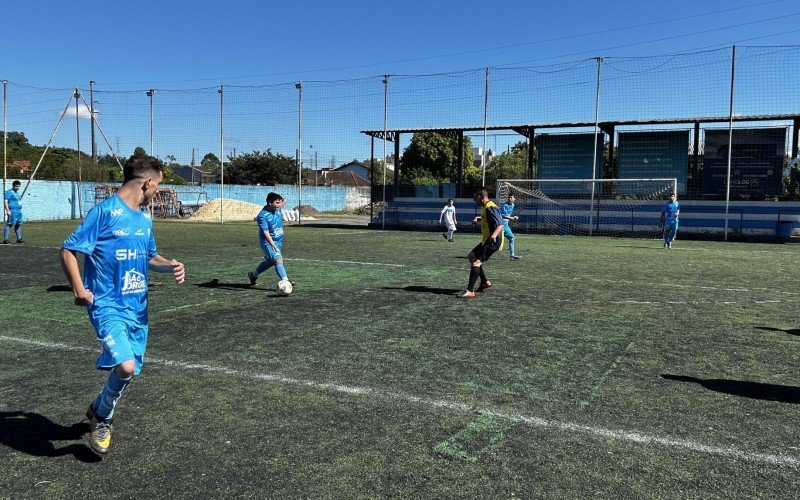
53	200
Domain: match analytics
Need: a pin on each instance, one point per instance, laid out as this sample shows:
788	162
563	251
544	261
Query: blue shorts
270	254
15	219
121	341
508	232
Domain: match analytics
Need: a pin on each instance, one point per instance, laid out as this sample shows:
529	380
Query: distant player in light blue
117	240
12	207
507	211
669	220
270	235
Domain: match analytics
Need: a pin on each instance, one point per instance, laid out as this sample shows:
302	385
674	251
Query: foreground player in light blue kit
117	240
12	207
270	235
507	211
669	220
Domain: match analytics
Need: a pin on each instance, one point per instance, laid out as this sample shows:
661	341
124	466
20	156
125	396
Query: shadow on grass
790	331
59	288
215	283
753	390
34	434
425	289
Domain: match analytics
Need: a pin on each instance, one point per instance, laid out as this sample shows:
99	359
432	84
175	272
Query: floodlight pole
150	93
594	138
221	153
485	119
299	87
77	96
5	138
91	110
385	126
730	143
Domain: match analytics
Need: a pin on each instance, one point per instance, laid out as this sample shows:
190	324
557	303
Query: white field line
401	397
360	263
674	302
185	307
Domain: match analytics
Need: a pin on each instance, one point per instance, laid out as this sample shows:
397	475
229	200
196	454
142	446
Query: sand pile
231	210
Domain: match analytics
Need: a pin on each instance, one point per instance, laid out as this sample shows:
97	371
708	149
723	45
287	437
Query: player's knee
125	369
16	227
476	263
279	261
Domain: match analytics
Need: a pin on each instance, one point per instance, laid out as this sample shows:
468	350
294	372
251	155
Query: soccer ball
284	287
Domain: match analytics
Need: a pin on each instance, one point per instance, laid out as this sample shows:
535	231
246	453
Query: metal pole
485	118
221	154
91	110
47	147
78	140
594	138
385	126
150	95
730	143
5	138
299	87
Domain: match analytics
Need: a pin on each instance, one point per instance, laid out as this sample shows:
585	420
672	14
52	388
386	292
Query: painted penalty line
628	436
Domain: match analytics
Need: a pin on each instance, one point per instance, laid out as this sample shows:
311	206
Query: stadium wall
53	200
699	218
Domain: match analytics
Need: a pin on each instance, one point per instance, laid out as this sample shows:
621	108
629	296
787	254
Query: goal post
588	207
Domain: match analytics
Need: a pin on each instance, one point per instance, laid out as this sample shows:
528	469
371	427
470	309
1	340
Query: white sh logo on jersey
121	232
133	282
116	212
139	232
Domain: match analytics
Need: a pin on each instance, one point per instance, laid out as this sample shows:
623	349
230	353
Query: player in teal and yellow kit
117	240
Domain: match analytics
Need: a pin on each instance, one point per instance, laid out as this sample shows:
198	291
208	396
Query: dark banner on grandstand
756	161
654	155
568	156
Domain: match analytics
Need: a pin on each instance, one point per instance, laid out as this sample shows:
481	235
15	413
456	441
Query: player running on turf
449	215
117	240
270	234
669	220
507	211
12	207
492	233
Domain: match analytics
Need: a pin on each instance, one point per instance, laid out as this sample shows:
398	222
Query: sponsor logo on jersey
139	232
133	282
147	215
125	254
116	212
121	232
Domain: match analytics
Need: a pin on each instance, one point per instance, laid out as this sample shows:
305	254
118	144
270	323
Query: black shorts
484	250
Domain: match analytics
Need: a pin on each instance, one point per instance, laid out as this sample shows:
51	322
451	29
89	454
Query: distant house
193	174
355	167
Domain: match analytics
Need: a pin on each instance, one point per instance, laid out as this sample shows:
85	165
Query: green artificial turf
373	380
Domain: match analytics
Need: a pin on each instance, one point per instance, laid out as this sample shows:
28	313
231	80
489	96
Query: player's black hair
16	183
272	197
449	200
671	194
141	167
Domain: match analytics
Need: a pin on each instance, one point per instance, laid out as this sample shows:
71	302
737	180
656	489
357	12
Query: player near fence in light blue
669	220
270	235
117	240
12	208
507	211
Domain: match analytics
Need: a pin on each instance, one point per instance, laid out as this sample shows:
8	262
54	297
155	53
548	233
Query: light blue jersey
271	222
506	211
14	200
118	243
670	210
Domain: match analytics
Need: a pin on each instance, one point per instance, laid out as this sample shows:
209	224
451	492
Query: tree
509	165
433	155
139	151
211	163
261	167
376	172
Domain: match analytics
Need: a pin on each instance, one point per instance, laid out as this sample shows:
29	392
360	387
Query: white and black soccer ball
284	287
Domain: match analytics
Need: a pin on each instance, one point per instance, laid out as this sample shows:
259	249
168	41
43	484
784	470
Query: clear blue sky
202	42
192	44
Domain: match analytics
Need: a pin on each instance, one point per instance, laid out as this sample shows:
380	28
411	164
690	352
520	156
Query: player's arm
5	206
160	264
69	262
497	220
441	214
661	219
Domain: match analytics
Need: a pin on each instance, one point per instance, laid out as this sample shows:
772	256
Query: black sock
483	276
473	277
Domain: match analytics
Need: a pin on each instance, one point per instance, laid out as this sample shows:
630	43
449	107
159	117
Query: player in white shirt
449	215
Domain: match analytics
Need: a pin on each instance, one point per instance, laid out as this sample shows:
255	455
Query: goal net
601	207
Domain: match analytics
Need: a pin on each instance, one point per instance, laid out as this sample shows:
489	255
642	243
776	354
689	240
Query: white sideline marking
348	262
675	302
185	306
633	437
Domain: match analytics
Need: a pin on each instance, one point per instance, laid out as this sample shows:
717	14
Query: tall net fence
657	116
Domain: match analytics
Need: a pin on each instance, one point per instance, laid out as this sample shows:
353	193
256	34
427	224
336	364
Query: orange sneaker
466	294
483	286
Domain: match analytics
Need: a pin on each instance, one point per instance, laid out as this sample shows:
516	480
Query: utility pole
91	110
150	93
